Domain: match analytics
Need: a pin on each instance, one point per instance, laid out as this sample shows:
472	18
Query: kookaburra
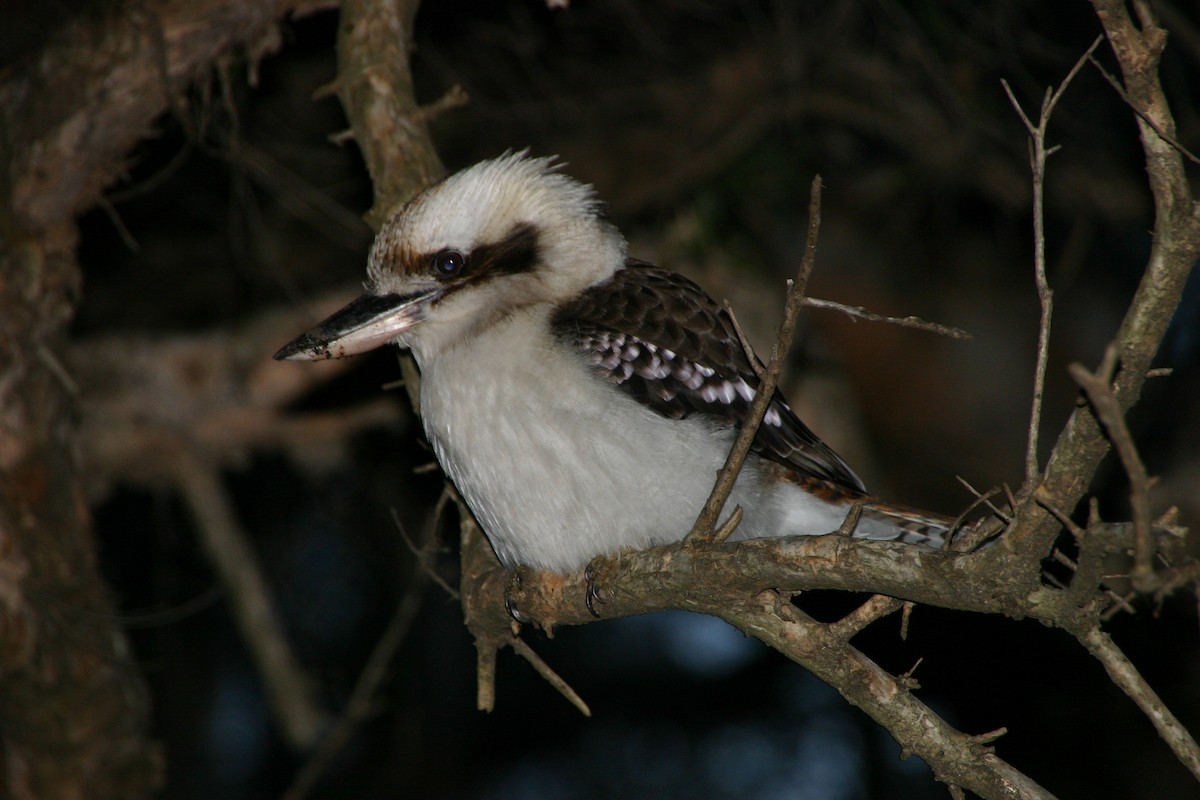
581	401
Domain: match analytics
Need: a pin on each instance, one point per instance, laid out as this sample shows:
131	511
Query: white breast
560	466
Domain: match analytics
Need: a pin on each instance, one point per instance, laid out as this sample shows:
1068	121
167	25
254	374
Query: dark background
702	124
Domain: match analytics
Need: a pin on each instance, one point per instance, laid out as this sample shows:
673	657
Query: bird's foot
595	592
516	580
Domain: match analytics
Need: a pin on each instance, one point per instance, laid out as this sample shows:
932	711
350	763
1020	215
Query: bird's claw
594	594
515	581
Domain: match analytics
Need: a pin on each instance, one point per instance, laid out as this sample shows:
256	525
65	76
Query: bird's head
500	235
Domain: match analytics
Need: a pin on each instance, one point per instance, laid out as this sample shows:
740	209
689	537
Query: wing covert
660	337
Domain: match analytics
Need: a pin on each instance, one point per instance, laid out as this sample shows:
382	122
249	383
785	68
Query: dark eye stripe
515	253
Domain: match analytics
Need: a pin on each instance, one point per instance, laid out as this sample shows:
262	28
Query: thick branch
375	86
678	576
955	757
73	711
1174	251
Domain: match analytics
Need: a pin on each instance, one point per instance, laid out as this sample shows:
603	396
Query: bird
582	401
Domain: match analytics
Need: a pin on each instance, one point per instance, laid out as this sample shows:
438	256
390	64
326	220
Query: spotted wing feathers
658	336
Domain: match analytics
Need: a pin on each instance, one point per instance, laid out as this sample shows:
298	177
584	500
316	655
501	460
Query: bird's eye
449	263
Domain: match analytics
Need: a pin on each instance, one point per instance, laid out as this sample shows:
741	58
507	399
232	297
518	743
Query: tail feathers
888	522
879	520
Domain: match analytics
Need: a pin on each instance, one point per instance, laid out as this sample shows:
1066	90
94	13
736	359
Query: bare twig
455	97
1174	249
1142	115
850	522
1068	523
485	677
289	690
1038	154
1119	604
727	528
967	539
858	312
964	761
521	648
766	389
1125	675
751	356
364	699
984	498
1099	391
425	553
877	607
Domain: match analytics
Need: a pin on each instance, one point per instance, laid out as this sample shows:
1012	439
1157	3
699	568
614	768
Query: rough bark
73	706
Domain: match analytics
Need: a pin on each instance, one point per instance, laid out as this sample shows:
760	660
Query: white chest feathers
560	466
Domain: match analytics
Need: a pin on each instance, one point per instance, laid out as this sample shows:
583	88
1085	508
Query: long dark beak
364	324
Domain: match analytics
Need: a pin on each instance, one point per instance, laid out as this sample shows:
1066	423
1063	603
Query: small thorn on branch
456	97
989	737
907	680
850	523
727	528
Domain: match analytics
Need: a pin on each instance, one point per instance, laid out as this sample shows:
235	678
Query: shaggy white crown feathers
581	401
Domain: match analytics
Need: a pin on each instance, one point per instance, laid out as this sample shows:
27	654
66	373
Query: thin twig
289	690
1119	604
751	356
877	607
708	516
990	736
1098	388
727	528
1044	501
962	539
521	648
985	498
1125	675
858	312
425	553
364	699
485	676
455	97
850	522
1143	116
1038	154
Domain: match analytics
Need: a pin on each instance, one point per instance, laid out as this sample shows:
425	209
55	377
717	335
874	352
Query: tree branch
375	87
1174	250
69	117
1038	154
1125	675
707	519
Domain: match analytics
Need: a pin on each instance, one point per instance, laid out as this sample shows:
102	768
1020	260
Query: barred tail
885	521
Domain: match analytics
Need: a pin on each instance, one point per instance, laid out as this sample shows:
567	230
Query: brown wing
661	338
